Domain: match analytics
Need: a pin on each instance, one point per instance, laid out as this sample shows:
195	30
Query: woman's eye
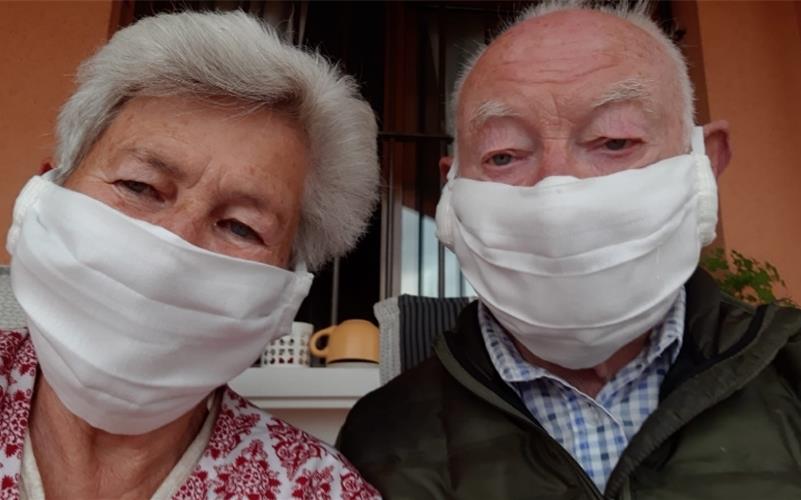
501	159
139	188
616	144
239	230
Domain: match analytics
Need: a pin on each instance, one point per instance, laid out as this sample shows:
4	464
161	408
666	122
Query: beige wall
752	69
41	44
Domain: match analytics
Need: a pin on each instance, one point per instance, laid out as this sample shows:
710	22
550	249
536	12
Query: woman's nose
188	222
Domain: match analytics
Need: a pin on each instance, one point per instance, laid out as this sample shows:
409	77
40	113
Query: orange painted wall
41	45
752	66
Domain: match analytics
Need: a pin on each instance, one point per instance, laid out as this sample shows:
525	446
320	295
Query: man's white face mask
132	325
575	269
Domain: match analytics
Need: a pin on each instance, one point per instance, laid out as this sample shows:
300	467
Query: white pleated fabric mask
132	325
575	269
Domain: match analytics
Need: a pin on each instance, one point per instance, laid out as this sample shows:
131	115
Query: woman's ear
716	142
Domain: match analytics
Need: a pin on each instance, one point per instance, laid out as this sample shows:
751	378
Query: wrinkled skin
228	181
579	93
222	179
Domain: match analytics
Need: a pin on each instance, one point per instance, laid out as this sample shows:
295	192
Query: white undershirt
31	487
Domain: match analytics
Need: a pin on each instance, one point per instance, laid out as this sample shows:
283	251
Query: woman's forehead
258	153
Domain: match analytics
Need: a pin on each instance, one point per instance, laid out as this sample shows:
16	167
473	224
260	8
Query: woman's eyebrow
247	195
156	161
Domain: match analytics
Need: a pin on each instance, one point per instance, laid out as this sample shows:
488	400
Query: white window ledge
303	387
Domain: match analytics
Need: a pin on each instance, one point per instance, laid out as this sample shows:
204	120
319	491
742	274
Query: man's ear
716	142
445	164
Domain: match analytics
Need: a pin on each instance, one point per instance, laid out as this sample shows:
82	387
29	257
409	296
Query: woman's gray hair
235	55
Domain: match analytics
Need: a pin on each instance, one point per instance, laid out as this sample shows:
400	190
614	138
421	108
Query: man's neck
591	380
76	460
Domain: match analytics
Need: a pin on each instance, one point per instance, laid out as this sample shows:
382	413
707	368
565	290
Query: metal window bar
391	204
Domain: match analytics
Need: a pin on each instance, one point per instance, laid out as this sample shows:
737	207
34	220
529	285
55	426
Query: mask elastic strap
452	171
697	140
31	192
51	175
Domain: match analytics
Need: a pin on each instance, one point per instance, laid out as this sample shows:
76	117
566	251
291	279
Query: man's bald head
635	14
575	75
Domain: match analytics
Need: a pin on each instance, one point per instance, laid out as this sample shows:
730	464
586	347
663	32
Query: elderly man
203	164
598	361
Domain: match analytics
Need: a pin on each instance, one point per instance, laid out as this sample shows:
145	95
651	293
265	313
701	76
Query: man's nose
559	158
555	159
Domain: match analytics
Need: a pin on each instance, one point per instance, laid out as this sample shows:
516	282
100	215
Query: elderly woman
202	165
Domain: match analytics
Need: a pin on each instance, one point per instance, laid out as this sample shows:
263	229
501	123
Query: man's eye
139	188
616	144
239	229
501	159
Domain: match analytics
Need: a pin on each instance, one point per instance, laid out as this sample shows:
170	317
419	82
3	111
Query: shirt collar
509	363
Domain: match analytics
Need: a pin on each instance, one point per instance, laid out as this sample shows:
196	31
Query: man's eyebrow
631	90
489	110
156	161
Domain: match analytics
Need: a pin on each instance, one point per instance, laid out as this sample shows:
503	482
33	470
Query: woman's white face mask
132	325
575	269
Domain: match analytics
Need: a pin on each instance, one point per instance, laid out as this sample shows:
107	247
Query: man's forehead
563	28
632	90
573	56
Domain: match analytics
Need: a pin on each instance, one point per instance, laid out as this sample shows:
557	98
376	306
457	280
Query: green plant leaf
745	278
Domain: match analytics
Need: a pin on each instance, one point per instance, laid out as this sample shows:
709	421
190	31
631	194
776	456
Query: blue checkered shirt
595	431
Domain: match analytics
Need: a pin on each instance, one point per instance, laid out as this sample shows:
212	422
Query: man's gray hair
635	13
211	55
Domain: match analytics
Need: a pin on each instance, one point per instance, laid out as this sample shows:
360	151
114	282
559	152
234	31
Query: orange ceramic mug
351	340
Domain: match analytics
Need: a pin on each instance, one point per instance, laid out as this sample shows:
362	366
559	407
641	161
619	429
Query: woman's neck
76	460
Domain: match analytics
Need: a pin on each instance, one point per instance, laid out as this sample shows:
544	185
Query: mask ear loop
452	172
707	189
30	194
444	213
697	140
